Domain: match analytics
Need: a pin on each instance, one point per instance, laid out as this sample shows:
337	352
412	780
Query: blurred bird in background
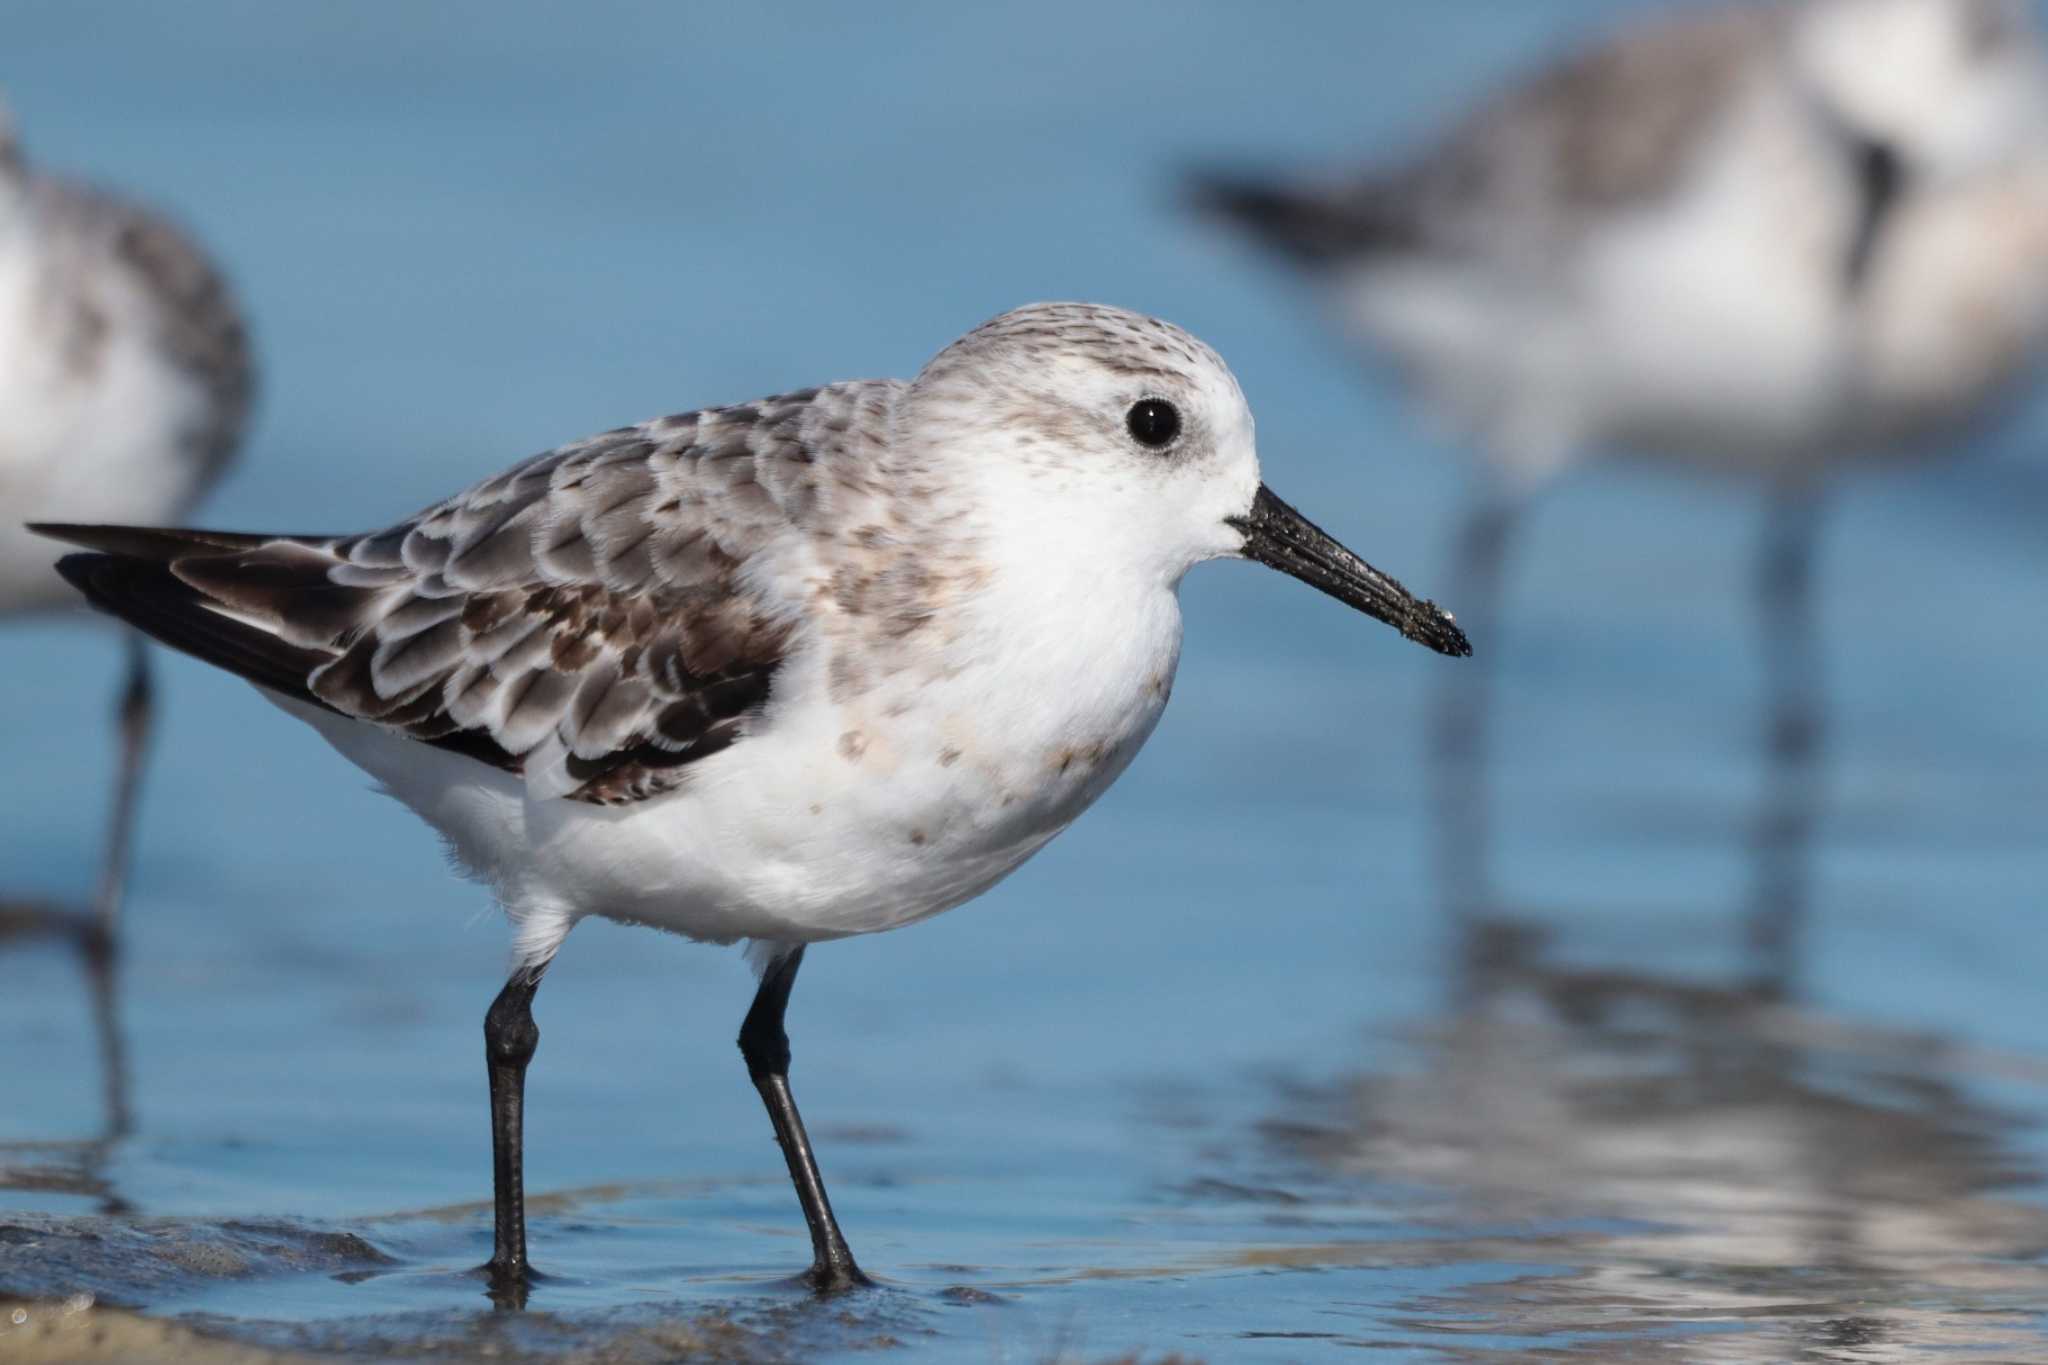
125	381
1767	240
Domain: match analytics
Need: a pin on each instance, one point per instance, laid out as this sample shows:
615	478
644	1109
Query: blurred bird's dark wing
1608	128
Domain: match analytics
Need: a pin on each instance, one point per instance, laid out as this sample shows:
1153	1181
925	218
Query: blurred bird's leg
133	715
1459	731
94	931
100	943
1792	734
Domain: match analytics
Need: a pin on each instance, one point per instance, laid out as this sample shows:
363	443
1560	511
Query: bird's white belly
829	819
1724	315
798	847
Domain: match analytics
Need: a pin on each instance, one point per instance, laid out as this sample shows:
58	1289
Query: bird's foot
829	1276
509	1281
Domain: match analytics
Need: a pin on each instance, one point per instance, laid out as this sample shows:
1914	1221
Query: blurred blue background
465	233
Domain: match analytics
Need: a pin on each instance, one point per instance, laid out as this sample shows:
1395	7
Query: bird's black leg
133	714
510	1037
766	1048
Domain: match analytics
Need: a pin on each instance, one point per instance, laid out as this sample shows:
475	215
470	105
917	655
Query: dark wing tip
1239	199
149	596
1309	225
79	570
154	543
69	532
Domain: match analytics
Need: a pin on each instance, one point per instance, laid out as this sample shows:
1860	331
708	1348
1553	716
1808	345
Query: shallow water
1211	1075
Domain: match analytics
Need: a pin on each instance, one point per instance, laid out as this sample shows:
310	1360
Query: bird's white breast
1721	321
835	815
1959	308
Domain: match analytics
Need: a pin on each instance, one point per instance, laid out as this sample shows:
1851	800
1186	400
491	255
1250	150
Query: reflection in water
1705	1168
1459	730
1792	736
1712	1167
77	1167
95	933
1791	739
1791	744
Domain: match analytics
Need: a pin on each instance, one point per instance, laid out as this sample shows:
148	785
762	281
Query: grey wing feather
202	330
1611	127
197	321
582	619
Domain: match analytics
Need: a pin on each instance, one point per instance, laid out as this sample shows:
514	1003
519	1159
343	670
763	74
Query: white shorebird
1766	240
817	665
125	379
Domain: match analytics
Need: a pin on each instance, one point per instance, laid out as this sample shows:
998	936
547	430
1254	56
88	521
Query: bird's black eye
1153	422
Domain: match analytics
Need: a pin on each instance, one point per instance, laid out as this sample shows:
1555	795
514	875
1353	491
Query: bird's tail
157	581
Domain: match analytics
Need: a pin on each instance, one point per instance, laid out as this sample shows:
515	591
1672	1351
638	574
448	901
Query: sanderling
125	379
822	664
1763	239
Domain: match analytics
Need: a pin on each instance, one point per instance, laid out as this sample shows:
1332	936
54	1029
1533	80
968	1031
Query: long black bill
1277	535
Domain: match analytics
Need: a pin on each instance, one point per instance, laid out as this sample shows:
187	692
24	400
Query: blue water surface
1196	1078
